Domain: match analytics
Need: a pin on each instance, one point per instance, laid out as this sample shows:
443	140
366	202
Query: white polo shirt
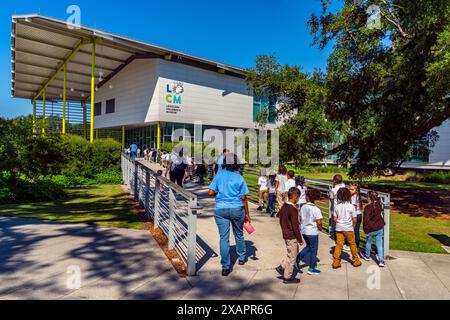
309	214
344	212
262	183
290	183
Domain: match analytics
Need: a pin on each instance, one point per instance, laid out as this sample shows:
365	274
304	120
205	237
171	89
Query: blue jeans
312	245
133	155
235	217
379	241
272	202
357	231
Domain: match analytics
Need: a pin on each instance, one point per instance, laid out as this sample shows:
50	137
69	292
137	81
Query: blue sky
231	31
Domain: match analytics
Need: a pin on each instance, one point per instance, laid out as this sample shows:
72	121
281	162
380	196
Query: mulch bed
419	202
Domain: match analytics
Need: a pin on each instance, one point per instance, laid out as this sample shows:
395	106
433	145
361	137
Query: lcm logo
174	92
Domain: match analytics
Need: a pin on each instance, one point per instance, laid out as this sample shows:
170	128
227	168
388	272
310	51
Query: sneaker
272	214
226	272
280	270
259	209
381	264
267	210
363	255
242	262
313	272
291	281
346	248
297	264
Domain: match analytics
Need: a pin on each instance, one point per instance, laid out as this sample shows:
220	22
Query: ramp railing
173	209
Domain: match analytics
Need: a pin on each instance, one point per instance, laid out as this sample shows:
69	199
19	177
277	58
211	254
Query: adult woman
177	167
230	191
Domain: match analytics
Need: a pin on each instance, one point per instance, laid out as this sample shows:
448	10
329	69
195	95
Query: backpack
182	166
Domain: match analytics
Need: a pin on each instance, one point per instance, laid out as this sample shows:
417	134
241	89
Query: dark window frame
97	109
110	103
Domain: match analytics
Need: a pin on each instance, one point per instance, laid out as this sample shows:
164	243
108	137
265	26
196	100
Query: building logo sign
173	98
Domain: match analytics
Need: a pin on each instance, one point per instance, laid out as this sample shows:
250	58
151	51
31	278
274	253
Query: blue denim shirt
230	187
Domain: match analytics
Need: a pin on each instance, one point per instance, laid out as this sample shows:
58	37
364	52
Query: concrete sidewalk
37	260
407	275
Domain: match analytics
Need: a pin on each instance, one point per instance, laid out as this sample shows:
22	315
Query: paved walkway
36	260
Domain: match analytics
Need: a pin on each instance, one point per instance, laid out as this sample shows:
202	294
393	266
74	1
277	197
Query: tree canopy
385	87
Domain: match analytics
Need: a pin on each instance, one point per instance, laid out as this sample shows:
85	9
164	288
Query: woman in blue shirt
231	192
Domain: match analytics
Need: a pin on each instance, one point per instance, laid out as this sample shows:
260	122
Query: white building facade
154	94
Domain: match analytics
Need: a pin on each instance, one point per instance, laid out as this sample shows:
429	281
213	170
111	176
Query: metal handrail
173	209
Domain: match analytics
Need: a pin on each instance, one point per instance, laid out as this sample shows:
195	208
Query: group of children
301	221
274	188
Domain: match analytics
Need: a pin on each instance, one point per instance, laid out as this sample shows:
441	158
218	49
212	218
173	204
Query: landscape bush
432	177
35	167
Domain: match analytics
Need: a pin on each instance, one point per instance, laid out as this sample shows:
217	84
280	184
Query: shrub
28	191
110	177
432	177
105	155
83	159
76	151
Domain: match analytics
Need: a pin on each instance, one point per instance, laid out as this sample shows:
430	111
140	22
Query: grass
398	181
419	234
102	205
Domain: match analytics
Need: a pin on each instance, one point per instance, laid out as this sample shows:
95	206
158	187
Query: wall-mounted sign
173	97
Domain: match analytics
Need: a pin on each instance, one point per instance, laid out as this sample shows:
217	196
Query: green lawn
103	205
418	233
397	181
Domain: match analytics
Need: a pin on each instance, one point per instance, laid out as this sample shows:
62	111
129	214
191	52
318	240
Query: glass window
264	110
110	106
98	109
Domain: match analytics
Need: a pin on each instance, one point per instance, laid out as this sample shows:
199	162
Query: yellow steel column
84	119
44	94
64	100
92	92
34	116
158	136
123	138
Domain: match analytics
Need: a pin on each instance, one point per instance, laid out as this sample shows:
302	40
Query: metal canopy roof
40	45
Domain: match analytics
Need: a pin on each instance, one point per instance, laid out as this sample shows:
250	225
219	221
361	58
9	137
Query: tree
300	99
387	87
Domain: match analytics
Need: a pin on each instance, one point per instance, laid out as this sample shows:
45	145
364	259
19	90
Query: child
272	197
338	183
280	184
345	219
300	183
200	171
311	224
373	226
290	183
357	202
291	235
262	190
